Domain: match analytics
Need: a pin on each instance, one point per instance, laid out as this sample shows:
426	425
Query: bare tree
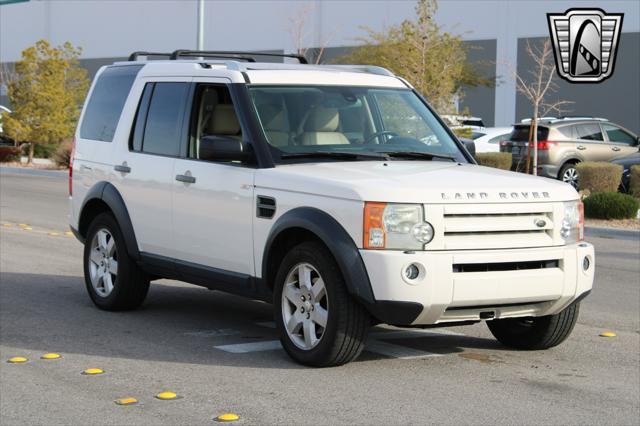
537	90
299	32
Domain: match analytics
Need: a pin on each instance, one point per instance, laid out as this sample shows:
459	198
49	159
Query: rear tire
535	333
319	297
569	174
113	280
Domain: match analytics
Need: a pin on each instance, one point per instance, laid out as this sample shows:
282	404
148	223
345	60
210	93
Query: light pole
200	41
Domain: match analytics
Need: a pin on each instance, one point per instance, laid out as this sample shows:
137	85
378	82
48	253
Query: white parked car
312	187
488	139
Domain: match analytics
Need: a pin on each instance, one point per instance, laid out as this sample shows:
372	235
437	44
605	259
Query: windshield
350	122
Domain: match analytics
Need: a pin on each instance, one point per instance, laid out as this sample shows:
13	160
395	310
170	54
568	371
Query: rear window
106	102
521	133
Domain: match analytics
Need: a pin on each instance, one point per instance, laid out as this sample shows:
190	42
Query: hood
413	182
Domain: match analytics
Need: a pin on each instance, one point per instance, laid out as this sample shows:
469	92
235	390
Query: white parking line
244	348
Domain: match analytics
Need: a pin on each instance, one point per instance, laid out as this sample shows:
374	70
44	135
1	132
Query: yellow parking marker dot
69	233
53	234
7	225
126	401
92	371
228	417
17	360
51	355
27	228
608	334
166	395
22	225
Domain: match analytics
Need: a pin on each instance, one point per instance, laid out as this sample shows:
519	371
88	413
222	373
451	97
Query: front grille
496	226
505	266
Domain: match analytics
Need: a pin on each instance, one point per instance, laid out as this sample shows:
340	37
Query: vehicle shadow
177	323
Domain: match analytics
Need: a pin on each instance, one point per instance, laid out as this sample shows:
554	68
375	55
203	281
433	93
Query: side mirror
470	146
221	148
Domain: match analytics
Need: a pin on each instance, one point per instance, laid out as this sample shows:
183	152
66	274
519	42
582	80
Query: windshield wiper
340	155
417	155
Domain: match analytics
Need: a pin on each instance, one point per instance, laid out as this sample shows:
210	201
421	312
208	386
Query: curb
621	234
33	172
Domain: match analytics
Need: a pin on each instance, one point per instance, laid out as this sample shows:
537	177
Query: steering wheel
378	134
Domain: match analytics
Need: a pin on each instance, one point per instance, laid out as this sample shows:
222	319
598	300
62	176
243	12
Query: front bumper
503	283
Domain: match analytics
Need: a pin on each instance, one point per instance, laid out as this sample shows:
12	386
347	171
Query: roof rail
247	56
134	56
371	69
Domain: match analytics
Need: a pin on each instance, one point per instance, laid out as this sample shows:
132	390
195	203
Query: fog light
586	263
412	271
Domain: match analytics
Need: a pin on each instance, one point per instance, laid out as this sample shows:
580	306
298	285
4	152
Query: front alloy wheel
319	323
305	306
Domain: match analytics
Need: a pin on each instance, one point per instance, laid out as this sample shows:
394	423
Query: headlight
395	226
572	225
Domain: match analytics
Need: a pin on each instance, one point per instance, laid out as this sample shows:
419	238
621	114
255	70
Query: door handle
185	178
87	168
122	168
616	148
581	147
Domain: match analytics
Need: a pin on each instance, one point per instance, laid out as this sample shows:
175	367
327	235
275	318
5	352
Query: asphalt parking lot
219	353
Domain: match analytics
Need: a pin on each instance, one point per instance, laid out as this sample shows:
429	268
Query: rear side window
521	133
590	132
158	125
106	102
569	132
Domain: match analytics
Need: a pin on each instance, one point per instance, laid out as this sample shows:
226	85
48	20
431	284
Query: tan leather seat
320	128
223	122
274	121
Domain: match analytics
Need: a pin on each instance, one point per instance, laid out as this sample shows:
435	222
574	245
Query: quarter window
590	132
106	102
616	134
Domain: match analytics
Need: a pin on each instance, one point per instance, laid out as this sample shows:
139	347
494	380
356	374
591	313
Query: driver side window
213	114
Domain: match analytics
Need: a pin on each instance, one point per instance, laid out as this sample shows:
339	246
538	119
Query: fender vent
266	207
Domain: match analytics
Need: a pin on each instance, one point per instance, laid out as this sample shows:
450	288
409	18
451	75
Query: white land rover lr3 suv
334	192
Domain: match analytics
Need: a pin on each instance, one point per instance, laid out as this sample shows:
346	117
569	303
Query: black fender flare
108	193
337	240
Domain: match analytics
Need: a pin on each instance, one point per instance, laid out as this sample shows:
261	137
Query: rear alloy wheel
114	281
320	324
569	174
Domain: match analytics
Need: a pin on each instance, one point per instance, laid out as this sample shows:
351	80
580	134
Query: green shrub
611	205
599	176
45	150
634	181
9	154
62	156
497	160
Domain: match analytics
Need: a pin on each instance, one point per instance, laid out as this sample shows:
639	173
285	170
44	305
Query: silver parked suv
565	142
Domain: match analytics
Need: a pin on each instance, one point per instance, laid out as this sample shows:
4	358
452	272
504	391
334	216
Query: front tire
320	324
113	280
535	333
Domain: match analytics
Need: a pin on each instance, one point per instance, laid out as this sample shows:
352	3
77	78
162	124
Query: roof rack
222	54
134	56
